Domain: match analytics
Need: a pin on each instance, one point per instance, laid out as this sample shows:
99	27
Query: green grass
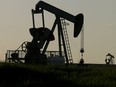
21	75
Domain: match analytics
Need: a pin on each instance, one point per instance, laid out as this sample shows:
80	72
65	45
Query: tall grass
17	75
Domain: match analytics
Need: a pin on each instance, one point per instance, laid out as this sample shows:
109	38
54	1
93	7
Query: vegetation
21	75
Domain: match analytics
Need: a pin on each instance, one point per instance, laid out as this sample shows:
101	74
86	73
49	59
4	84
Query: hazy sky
99	25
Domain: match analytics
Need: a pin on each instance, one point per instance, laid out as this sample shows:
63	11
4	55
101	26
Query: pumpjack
109	59
42	36
35	50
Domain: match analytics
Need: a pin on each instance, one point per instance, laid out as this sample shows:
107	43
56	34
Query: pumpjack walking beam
55	11
77	20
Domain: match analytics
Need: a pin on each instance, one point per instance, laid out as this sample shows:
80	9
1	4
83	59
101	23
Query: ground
21	75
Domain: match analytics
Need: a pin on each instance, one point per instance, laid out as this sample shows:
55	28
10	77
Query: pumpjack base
36	59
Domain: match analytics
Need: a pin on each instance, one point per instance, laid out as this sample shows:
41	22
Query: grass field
20	75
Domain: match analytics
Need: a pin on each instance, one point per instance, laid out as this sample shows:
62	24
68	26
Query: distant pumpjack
109	59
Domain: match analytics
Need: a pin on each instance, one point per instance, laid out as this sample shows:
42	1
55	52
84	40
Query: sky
99	26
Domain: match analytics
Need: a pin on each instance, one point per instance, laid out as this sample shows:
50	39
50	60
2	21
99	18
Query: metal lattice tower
64	24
